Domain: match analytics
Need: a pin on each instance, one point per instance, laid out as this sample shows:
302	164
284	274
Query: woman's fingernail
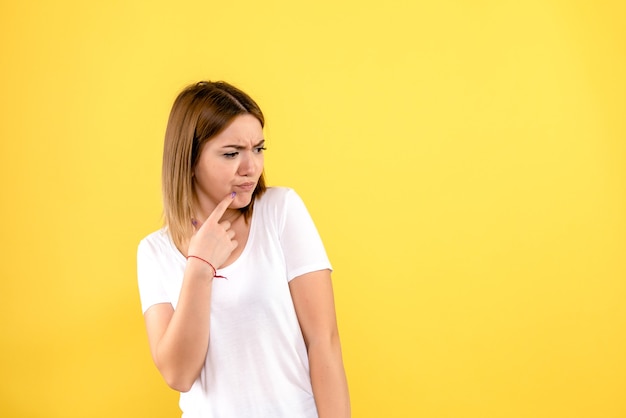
232	195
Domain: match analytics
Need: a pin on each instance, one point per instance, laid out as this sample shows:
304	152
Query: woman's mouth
245	187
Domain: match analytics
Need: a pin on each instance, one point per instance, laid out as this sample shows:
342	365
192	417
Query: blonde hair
200	112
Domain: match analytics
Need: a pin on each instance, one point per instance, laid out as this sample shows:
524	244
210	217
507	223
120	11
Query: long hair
200	112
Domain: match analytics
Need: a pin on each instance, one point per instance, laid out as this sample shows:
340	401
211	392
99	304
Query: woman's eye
231	154
260	149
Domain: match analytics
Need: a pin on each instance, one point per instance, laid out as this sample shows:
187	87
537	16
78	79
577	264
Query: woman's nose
247	164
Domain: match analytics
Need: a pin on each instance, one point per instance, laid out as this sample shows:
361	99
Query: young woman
236	288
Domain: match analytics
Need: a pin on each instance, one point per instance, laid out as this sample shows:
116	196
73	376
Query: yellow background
465	162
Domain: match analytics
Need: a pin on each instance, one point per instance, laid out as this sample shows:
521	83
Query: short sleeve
149	274
302	246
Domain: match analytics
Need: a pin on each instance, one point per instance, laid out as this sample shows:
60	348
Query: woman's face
230	162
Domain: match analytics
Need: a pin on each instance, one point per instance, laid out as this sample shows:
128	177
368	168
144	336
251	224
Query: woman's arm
179	339
312	295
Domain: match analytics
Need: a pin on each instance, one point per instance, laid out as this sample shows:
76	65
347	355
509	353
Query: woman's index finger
219	210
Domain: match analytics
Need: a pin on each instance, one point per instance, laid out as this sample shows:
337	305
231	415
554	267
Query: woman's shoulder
276	192
156	242
277	197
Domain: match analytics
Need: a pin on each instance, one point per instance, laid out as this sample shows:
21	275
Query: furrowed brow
240	147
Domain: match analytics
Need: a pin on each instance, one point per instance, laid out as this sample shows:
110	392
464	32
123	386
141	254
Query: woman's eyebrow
240	147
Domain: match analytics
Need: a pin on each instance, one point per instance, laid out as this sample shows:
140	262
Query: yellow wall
465	162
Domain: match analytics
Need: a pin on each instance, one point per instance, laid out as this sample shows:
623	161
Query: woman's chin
241	201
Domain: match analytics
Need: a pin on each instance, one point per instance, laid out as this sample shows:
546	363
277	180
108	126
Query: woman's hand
213	240
179	339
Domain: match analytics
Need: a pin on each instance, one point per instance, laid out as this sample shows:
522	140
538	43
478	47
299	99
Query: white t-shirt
257	363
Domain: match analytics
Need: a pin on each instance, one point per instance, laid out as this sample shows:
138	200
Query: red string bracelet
202	259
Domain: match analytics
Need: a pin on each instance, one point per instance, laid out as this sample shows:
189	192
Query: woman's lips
245	187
